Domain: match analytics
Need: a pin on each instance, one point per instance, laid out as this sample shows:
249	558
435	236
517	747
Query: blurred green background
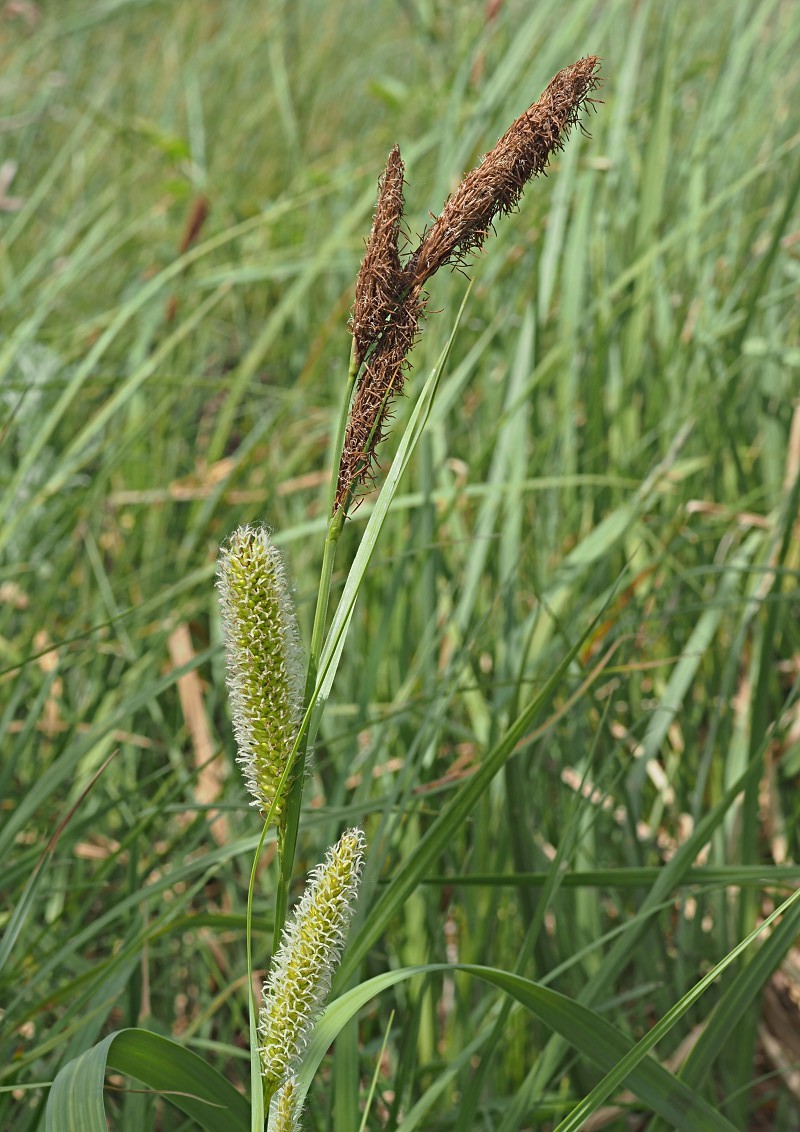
185	188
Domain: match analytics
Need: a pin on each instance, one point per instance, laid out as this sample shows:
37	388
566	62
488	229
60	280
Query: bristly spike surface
264	660
284	1111
303	966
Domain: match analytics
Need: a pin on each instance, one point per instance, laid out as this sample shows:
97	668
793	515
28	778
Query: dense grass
567	709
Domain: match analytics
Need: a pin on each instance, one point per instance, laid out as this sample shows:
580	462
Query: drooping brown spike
495	186
379	278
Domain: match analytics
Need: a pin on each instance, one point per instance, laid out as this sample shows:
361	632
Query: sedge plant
260	630
275	707
654	299
277	699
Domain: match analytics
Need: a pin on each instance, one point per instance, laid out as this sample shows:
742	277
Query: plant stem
257	1077
287	835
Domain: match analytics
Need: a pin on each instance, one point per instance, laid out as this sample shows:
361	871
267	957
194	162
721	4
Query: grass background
616	436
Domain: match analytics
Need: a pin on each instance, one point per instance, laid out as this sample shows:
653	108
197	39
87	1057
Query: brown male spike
379	279
390	300
495	186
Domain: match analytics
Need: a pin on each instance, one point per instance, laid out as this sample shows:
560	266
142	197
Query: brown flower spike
389	299
379	278
495	186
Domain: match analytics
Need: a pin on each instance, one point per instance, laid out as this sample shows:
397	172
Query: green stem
257	1077
287	836
341	428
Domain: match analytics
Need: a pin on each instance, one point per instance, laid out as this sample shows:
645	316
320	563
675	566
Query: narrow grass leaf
636	1057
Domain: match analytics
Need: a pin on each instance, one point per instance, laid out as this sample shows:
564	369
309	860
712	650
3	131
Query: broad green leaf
76	1104
588	1032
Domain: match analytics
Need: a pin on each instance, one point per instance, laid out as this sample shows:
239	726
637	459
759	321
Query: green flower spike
302	967
284	1112
262	646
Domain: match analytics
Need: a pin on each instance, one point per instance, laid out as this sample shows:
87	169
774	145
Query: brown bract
390	300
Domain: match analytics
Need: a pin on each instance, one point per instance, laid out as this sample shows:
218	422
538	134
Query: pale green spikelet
284	1111
262	647
302	967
